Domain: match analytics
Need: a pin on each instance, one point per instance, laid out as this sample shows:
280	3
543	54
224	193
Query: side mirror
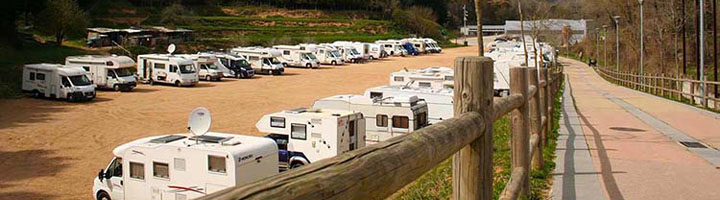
101	174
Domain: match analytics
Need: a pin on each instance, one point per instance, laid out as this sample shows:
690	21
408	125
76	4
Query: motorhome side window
161	170
111	74
32	76
449	78
115	168
381	120
277	122
424	84
159	66
286	52
216	164
420	120
137	170
298	131
400	122
40	76
65	81
376	95
173	68
86	68
254	58
399	78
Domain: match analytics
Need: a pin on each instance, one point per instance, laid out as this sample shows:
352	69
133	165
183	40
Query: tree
175	14
62	18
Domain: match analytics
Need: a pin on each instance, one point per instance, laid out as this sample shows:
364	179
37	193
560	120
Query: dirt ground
53	149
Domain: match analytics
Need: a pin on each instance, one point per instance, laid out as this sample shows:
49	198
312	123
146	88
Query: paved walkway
618	143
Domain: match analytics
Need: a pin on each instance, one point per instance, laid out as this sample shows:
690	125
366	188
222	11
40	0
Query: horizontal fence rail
380	170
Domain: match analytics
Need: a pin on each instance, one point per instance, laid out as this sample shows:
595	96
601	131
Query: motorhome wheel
308	66
103	196
152	82
208	78
177	83
271	72
333	63
372	57
296	165
285	65
35	94
116	87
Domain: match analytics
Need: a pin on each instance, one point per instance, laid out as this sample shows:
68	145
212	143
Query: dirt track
53	149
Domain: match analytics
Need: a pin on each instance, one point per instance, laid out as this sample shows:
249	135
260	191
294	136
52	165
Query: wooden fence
667	86
379	170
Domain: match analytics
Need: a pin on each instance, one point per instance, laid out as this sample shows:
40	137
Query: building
104	37
549	27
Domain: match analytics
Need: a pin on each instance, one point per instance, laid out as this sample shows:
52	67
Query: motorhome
108	72
385	117
439	101
410	48
185	166
297	56
432	45
207	65
237	66
328	55
308	135
347	52
376	51
418	44
363	49
392	47
57	82
436	77
262	60
168	69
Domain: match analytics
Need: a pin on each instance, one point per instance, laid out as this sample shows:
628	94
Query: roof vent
167	139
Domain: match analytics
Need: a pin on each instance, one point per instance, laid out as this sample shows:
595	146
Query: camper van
309	135
432	45
262	60
185	166
207	66
108	72
439	101
328	55
392	47
237	66
376	51
297	56
363	49
168	69
57	82
431	77
385	117
418	44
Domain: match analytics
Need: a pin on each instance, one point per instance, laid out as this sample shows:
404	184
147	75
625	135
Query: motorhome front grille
167	139
210	139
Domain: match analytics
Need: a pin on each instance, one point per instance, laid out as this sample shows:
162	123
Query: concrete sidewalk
633	144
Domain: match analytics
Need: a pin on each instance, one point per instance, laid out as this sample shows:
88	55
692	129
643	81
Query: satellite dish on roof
199	121
171	49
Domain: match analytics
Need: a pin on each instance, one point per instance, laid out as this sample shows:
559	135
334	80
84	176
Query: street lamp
605	45
617	43
702	52
597	46
642	43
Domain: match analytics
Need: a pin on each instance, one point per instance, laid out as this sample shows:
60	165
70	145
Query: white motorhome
110	72
168	69
234	66
432	77
376	51
328	55
439	101
393	47
308	135
297	56
262	60
385	117
419	44
501	70
185	166
207	66
363	49
57	81
432	45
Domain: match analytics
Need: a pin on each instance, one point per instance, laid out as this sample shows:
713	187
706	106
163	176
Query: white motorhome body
110	72
207	65
57	81
169	69
419	44
431	77
297	56
376	51
234	66
180	166
327	54
432	45
363	49
385	117
392	47
309	135
439	101
262	60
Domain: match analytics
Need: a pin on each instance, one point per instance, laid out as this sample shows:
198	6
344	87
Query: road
618	143
53	149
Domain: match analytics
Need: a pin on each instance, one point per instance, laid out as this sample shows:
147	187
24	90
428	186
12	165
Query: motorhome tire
296	165
177	83
333	63
372	57
309	66
116	87
285	65
152	82
208	78
35	94
103	196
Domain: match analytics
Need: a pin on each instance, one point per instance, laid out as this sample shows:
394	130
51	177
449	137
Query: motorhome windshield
355	52
210	66
79	80
187	69
335	54
309	56
241	64
272	60
123	72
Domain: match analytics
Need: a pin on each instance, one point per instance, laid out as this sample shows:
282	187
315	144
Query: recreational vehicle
207	66
308	135
297	56
418	44
431	77
169	69
376	51
432	45
410	48
362	49
385	117
392	47
262	60
57	82
185	166
439	101
109	72
327	55
237	66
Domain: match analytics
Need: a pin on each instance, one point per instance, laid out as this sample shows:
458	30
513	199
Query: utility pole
642	42
597	45
702	52
465	16
478	11
605	45
684	40
715	46
617	43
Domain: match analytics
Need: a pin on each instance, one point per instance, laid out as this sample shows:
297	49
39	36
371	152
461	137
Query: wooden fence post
662	85
538	111
472	165
520	120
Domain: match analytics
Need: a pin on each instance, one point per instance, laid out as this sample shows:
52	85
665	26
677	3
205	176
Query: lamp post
597	45
605	45
617	43
702	52
642	43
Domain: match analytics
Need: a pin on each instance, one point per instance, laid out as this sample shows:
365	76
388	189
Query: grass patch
437	183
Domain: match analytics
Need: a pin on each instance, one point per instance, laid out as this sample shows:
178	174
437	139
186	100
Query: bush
420	20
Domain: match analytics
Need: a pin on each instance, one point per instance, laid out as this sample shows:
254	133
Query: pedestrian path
633	141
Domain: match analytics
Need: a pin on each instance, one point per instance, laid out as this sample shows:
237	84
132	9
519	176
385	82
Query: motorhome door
353	135
115	182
